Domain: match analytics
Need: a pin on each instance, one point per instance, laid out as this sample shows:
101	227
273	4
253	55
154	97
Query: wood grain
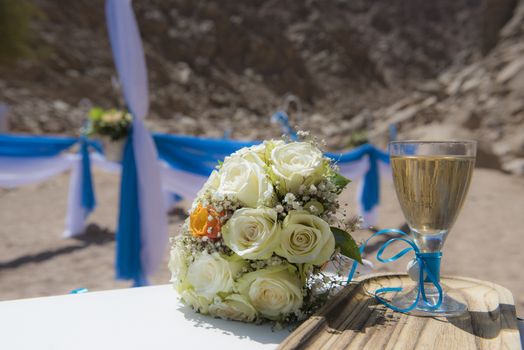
355	320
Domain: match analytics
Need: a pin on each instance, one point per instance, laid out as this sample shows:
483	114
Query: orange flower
204	221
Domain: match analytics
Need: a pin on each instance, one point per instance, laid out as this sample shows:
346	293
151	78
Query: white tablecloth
138	318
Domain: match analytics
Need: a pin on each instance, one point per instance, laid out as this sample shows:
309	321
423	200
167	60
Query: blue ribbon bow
429	264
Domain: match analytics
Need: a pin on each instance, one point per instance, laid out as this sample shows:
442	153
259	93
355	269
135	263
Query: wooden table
355	320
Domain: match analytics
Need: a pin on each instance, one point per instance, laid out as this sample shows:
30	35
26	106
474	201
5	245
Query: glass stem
433	266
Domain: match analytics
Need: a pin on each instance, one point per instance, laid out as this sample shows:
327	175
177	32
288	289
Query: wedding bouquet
261	233
112	127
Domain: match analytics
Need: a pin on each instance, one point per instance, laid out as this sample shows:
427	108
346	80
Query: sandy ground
35	260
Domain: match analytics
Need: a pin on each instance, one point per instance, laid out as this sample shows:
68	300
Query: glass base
449	308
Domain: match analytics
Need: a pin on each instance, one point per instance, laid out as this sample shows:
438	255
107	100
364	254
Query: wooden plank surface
355	320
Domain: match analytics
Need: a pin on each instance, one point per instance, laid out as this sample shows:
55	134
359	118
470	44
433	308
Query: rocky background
446	69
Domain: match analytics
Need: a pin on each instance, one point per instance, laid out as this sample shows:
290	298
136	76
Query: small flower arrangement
112	127
110	123
261	233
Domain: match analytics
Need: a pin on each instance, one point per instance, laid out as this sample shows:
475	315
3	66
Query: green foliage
111	123
340	181
357	139
346	244
15	33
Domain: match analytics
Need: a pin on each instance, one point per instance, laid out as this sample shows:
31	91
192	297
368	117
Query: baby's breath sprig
305	136
193	246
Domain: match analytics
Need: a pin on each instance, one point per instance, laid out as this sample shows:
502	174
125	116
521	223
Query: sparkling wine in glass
431	180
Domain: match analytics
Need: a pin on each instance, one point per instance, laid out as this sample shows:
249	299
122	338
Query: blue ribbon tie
429	270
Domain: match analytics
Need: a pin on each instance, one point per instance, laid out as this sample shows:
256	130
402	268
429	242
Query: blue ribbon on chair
429	265
281	118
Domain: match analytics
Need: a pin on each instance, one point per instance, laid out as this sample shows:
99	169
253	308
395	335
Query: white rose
234	307
255	154
212	274
260	153
177	264
305	238
245	180
252	233
211	184
295	164
197	302
274	291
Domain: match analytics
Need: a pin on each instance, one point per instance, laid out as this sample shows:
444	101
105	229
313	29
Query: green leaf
96	113
347	244
340	181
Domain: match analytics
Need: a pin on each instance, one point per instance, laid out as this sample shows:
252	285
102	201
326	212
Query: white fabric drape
22	171
76	214
355	170
130	63
180	182
371	217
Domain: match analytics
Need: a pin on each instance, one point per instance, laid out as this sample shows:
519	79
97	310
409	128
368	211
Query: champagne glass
431	180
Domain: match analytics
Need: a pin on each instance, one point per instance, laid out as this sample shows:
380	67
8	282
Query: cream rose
212	274
260	153
197	302
273	291
255	154
234	307
212	183
177	265
252	233
295	164
247	181
305	238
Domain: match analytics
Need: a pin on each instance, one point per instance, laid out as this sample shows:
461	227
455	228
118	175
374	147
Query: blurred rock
515	166
482	101
510	71
435	69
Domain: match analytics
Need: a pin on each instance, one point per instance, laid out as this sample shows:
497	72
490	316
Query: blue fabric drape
370	196
355	154
30	146
128	262
187	153
130	64
34	146
195	154
88	193
200	156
